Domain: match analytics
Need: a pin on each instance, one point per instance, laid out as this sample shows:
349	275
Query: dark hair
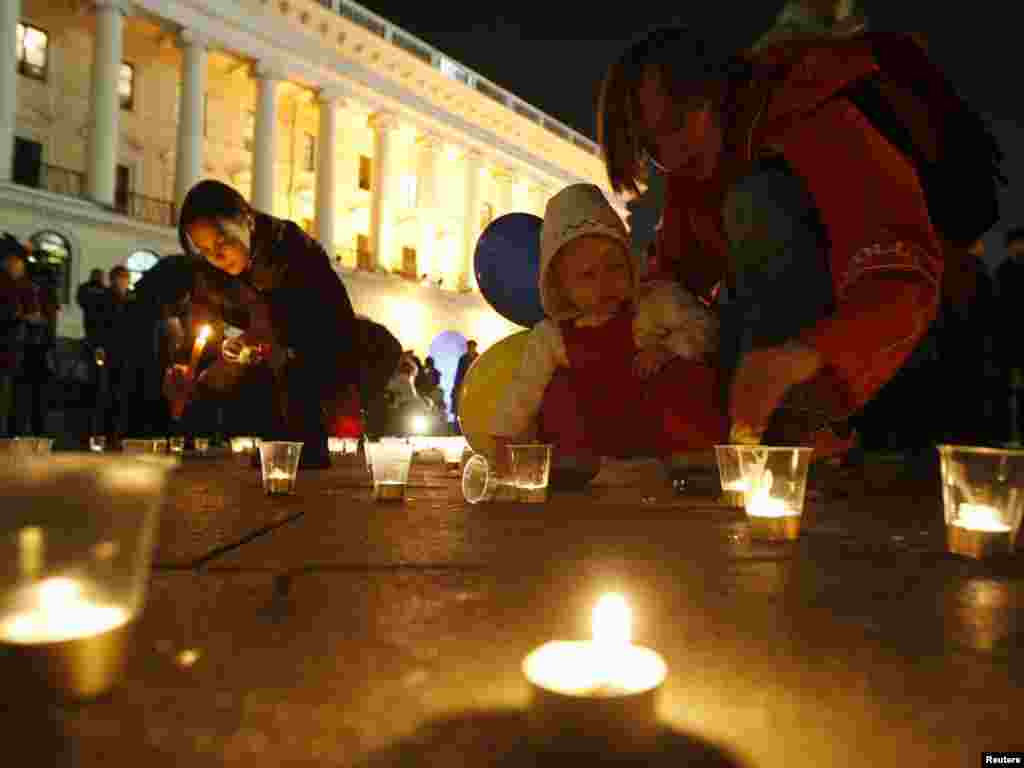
119	271
692	71
209	199
471	341
94	273
1015	234
429	360
11	246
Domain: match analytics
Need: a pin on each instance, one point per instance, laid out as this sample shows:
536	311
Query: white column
264	151
189	156
471	216
104	129
327	171
10	10
429	179
506	180
382	182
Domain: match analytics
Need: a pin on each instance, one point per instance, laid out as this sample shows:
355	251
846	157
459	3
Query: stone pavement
324	629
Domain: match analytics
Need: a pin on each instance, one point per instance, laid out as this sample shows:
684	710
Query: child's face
594	272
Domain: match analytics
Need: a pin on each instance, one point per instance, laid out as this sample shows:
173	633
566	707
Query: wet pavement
324	629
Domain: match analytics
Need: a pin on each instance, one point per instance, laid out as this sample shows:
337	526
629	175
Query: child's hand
649	361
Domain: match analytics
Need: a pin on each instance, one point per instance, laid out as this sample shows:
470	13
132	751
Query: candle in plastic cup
389	466
78	537
280	464
176	444
981	498
202	444
531	466
97	443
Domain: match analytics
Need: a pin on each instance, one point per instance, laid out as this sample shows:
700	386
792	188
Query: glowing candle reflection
197	348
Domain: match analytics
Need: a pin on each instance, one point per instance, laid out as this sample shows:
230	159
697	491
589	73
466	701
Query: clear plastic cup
480	484
389	462
176	445
982	499
531	468
280	462
26	446
202	444
730	473
76	542
98	443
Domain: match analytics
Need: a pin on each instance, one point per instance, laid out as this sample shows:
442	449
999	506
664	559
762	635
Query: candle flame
204	334
611	621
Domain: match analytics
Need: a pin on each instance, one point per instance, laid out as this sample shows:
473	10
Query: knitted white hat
577	211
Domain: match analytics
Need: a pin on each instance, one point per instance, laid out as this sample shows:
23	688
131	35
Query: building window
28	162
309	152
138	263
50	262
364	259
123	188
365	172
249	129
486	215
32	49
126	86
408	190
409	267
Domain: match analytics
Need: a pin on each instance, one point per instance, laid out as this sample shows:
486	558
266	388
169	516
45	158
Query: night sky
553	54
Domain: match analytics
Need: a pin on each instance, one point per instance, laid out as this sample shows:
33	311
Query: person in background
30	383
13	312
465	361
92	297
112	338
1010	359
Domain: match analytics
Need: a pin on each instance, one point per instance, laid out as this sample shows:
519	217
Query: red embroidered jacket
885	258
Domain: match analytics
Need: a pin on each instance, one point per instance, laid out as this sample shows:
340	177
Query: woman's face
687	142
224	243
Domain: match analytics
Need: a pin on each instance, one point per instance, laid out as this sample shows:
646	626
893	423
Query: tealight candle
279	482
978	531
602	692
59	634
733	493
771	519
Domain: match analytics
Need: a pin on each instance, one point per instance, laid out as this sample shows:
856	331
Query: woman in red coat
785	207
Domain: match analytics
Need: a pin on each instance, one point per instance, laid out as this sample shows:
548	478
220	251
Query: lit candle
197	348
57	610
980	517
278	481
58	637
603	690
770	518
978	531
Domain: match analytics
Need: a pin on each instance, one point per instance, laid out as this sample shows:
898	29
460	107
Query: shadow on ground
500	739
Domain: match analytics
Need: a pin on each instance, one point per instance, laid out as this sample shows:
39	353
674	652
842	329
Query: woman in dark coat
281	283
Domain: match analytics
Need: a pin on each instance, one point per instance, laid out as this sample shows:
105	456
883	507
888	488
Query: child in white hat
618	368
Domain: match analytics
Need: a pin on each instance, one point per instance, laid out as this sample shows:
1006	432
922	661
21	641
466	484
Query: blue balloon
507	265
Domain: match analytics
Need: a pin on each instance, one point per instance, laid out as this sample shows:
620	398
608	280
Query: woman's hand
231	349
762	380
651	360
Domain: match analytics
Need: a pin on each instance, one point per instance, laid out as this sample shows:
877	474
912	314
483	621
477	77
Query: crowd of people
794	295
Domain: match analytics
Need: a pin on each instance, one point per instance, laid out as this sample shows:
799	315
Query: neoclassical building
393	155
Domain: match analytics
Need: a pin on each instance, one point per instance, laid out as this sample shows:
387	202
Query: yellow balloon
484	386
